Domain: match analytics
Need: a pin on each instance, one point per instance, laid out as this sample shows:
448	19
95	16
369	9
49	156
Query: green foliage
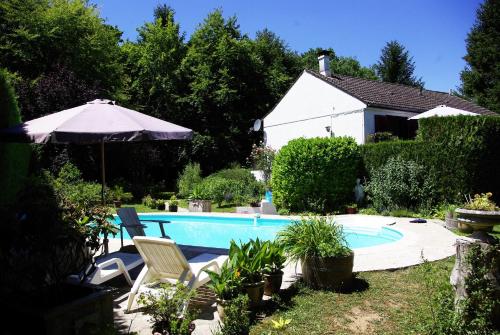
248	259
152	65
14	157
348	66
313	237
380	137
261	158
481	202
148	201
70	187
226	283
236	186
167	308
236	317
117	193
400	184
481	77
37	34
274	256
189	178
173	201
397	66
316	174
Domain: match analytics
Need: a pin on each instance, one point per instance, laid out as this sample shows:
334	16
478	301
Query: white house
326	104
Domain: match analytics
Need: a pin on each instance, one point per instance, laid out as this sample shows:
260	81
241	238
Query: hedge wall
14	157
315	174
462	155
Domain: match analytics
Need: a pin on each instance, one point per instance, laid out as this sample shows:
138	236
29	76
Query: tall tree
279	66
481	77
397	66
153	65
36	34
223	93
348	66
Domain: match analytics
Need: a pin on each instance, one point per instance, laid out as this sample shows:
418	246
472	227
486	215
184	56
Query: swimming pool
217	230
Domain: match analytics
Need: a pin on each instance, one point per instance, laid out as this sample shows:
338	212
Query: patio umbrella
98	121
441	110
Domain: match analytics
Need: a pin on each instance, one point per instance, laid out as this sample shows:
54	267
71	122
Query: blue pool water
217	232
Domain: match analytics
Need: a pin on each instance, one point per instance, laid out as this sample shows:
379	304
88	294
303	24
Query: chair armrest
213	264
133	225
121	268
160	223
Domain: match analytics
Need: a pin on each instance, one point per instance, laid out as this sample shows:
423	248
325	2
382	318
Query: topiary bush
400	184
315	174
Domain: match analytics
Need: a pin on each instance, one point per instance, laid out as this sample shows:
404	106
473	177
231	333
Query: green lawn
140	208
385	302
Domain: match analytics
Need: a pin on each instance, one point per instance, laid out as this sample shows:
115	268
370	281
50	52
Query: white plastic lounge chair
130	220
111	266
165	262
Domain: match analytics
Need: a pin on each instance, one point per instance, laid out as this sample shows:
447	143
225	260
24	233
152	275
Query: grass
385	302
140	208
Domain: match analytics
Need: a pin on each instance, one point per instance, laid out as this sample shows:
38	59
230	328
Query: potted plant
352	208
478	214
274	259
226	286
173	204
248	260
160	204
197	202
319	244
168	309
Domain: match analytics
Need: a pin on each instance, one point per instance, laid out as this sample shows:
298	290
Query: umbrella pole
103	198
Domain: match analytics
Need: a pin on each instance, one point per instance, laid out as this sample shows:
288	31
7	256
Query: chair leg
135	288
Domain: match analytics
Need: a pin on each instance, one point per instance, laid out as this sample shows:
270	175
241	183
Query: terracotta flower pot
351	210
328	272
272	283
255	292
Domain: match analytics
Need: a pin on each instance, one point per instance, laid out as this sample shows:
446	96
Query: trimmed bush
316	174
236	186
14	157
400	184
459	153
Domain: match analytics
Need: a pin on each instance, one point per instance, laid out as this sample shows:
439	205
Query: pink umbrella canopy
95	122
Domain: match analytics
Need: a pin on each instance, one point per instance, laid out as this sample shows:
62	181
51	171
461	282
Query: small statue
359	192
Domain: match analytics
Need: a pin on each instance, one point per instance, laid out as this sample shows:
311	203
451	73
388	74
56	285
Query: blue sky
434	31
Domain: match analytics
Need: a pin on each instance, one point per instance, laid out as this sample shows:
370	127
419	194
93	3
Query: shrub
70	187
313	237
189	178
14	157
399	184
236	318
235	186
381	137
481	202
165	309
316	174
261	158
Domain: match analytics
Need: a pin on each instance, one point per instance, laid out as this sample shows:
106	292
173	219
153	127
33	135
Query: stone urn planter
469	220
200	206
255	292
328	272
272	282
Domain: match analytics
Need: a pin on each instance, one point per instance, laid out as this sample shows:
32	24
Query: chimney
324	65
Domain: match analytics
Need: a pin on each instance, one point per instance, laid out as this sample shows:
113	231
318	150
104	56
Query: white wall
307	109
370	117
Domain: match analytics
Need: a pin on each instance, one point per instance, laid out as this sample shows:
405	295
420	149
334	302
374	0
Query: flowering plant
481	202
261	158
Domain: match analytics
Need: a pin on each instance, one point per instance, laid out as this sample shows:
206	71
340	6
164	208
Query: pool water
217	231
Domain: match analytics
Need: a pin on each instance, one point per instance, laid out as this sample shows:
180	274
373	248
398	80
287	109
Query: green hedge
461	155
14	157
316	174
